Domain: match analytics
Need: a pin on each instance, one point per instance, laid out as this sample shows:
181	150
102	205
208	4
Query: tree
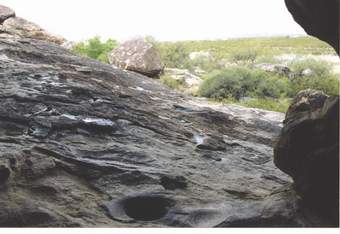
95	48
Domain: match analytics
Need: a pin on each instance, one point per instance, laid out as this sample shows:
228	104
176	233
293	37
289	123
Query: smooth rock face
137	55
5	13
308	150
23	28
85	144
319	18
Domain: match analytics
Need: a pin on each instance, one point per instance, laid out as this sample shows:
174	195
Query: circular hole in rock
147	208
4	174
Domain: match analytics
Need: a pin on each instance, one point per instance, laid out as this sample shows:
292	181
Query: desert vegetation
95	48
231	70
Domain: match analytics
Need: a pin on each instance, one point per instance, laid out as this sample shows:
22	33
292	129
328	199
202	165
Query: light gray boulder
5	13
137	55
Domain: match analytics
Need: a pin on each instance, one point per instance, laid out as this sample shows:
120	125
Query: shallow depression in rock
4	174
147	208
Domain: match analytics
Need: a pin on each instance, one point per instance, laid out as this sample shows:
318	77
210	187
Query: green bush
329	85
173	55
244	56
279	105
320	79
95	48
170	82
239	82
206	64
319	68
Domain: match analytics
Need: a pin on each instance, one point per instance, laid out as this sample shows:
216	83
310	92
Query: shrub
327	84
280	105
319	68
238	82
244	56
173	54
170	82
321	77
207	64
95	48
264	58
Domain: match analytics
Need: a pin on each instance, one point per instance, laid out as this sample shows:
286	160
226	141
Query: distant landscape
263	73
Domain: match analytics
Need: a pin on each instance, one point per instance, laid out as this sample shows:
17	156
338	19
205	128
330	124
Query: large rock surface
23	28
137	55
85	144
5	13
17	26
308	150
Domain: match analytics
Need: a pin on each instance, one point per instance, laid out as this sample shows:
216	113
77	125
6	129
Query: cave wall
319	18
308	146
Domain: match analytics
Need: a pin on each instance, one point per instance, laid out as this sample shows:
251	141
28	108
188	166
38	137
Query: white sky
162	19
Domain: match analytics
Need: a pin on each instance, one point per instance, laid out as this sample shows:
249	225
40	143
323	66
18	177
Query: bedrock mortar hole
4	174
147	208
